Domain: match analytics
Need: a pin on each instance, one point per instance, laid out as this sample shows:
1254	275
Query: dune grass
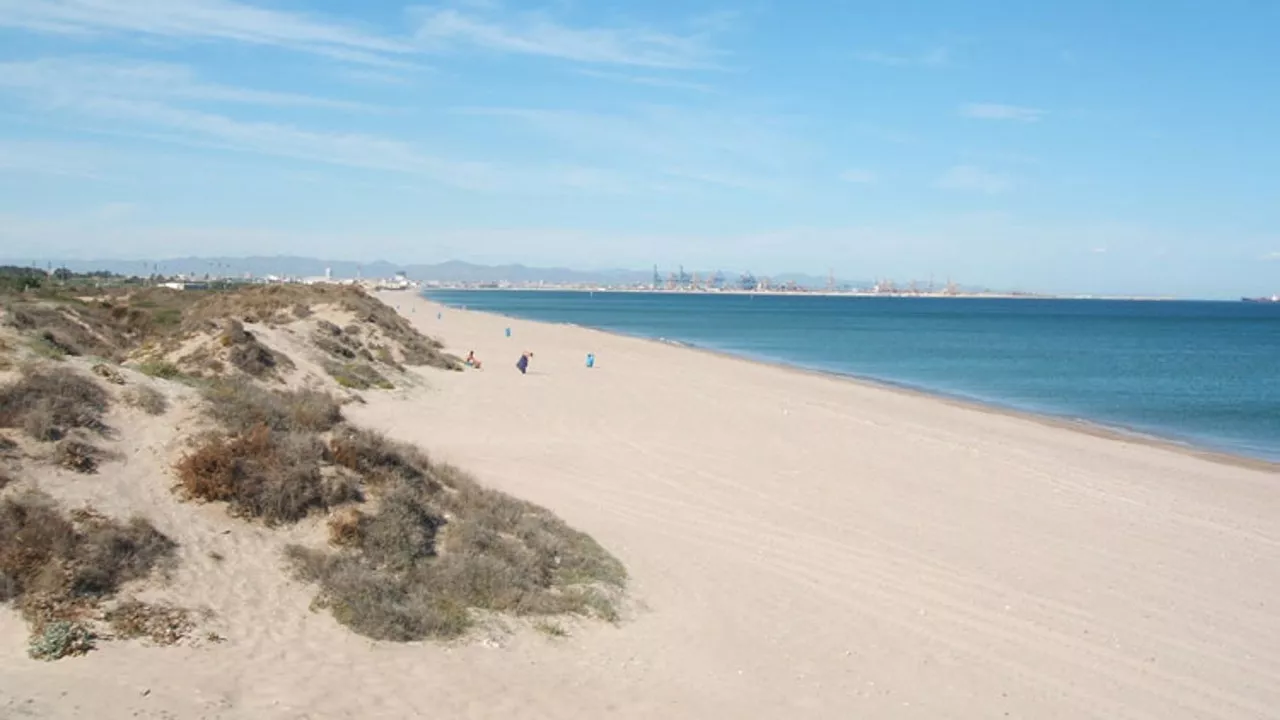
47	403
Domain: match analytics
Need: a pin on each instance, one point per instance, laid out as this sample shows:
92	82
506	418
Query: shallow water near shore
1203	373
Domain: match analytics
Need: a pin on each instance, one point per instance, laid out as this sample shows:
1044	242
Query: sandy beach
808	547
799	546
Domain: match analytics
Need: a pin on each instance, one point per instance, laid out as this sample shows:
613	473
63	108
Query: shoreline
824	293
1085	426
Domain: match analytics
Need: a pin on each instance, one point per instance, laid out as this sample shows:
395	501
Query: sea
1205	374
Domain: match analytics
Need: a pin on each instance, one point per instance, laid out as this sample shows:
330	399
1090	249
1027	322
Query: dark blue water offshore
1206	373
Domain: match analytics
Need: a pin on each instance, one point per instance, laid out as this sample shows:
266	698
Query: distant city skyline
1062	147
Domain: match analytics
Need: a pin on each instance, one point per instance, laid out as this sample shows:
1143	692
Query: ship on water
1264	299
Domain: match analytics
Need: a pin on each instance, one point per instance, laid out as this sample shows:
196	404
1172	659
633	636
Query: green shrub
60	639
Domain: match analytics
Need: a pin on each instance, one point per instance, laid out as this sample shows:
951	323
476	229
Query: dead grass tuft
108	373
147	399
48	403
161	624
78	456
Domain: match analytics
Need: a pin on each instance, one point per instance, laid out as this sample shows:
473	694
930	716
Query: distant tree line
14	278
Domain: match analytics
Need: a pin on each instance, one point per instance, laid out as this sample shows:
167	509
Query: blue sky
1063	146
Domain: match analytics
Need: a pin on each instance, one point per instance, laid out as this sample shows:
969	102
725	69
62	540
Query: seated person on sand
472	361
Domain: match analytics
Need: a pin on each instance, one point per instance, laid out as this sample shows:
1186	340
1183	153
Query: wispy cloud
205	20
996	111
860	177
973	178
706	148
934	57
59	159
538	35
648	80
68	78
1271	256
164	106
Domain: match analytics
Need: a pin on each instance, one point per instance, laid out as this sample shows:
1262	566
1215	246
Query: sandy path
799	547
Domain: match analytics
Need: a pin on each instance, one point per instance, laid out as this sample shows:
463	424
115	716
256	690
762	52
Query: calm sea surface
1206	373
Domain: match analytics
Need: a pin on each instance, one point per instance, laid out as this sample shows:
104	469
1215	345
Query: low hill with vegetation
160	402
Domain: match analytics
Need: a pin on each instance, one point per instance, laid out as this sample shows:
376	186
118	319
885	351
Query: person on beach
471	360
523	363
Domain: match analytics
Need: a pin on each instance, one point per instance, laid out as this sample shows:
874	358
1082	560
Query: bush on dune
240	405
56	569
46	404
273	475
439	545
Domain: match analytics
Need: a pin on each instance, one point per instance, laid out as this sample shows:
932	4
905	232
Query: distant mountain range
451	271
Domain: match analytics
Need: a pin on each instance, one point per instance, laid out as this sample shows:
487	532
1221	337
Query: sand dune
799	546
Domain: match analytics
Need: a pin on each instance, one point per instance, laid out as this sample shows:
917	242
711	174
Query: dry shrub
235	334
56	569
78	456
256	359
339	343
47	403
345	527
239	405
273	475
248	354
57	327
439	544
108	373
378	459
162	624
147	399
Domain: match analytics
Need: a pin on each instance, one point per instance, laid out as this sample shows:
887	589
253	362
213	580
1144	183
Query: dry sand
800	547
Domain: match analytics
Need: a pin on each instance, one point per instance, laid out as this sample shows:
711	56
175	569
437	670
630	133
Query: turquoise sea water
1205	373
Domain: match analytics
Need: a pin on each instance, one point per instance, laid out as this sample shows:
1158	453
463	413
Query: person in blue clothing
523	363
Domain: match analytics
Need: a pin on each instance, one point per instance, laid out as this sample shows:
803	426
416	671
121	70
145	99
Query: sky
1083	146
